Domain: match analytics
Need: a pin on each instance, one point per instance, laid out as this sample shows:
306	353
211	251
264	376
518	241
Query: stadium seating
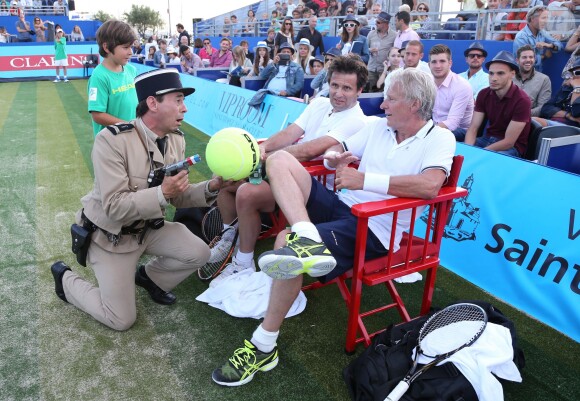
418	252
538	133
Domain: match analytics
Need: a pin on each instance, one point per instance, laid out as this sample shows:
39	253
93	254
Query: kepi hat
320	59
159	82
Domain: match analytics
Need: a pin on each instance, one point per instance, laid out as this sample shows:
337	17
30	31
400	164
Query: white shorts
60	63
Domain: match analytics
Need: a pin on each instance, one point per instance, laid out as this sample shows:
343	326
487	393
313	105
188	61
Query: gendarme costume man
124	211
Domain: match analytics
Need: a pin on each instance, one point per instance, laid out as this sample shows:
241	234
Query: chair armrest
370	209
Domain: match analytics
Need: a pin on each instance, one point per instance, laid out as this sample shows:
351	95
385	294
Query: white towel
246	294
491	353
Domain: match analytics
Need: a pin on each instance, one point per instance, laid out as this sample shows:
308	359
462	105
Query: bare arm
476	122
512	134
311	149
424	186
105	118
280	140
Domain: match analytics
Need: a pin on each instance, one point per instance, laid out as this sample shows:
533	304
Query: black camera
284	59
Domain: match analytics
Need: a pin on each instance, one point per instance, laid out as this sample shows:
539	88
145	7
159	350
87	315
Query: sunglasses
349	25
571	74
206	43
287	23
475	56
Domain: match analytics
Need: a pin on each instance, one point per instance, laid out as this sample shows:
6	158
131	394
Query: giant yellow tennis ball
232	153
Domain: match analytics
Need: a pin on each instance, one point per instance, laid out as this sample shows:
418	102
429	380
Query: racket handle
398	391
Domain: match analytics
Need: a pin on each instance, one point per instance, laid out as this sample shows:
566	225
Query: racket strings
451	329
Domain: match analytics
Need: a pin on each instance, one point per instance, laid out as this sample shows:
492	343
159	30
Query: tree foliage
102	16
143	18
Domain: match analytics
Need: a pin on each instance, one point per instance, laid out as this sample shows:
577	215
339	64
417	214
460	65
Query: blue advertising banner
517	236
214	106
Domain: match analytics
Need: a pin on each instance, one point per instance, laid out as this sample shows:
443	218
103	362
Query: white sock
57	77
64	77
244	258
264	340
306	229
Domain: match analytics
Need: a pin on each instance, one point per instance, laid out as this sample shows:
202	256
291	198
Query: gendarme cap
159	82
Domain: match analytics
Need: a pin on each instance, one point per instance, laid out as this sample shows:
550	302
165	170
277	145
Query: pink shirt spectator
454	103
203	53
407	34
221	61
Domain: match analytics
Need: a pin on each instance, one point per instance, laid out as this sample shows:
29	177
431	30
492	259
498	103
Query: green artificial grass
52	351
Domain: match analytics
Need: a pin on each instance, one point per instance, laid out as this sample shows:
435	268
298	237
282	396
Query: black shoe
58	270
156	293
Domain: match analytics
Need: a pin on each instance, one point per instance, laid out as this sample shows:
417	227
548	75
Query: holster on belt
81	239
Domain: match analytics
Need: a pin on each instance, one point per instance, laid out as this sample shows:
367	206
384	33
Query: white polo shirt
318	120
380	156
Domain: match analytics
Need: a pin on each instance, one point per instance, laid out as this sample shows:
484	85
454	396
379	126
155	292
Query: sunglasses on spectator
571	74
206	43
349	25
287	23
472	55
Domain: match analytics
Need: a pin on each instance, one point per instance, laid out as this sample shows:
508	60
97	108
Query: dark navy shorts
337	227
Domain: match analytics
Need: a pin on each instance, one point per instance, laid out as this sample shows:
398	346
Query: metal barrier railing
485	24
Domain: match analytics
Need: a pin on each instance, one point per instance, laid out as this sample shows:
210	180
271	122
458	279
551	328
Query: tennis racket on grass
443	334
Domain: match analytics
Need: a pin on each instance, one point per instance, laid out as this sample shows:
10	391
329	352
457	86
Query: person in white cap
303	54
60	57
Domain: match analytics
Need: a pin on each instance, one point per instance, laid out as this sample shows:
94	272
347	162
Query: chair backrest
370	103
453	178
306	88
253	83
533	145
211	73
92	59
558	131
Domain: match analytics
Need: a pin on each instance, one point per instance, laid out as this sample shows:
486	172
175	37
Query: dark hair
142	107
405	16
350	65
233	16
114	33
523	49
180	26
440	49
257	65
198	43
183	48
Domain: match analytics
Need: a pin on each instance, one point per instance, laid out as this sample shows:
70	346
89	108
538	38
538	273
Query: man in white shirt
405	154
324	123
412	55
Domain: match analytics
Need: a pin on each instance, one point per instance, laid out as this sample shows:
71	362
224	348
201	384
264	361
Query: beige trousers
179	253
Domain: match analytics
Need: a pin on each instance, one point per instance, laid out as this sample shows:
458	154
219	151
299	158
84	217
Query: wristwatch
576	89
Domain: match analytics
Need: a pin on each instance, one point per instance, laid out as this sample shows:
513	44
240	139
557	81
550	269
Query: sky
181	10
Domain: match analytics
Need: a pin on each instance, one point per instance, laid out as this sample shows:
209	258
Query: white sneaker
56	80
221	248
231	269
65	80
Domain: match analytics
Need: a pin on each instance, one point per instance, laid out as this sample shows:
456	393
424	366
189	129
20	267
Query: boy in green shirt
111	88
60	57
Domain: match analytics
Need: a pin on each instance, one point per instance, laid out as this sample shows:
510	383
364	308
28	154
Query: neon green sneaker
243	365
300	255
